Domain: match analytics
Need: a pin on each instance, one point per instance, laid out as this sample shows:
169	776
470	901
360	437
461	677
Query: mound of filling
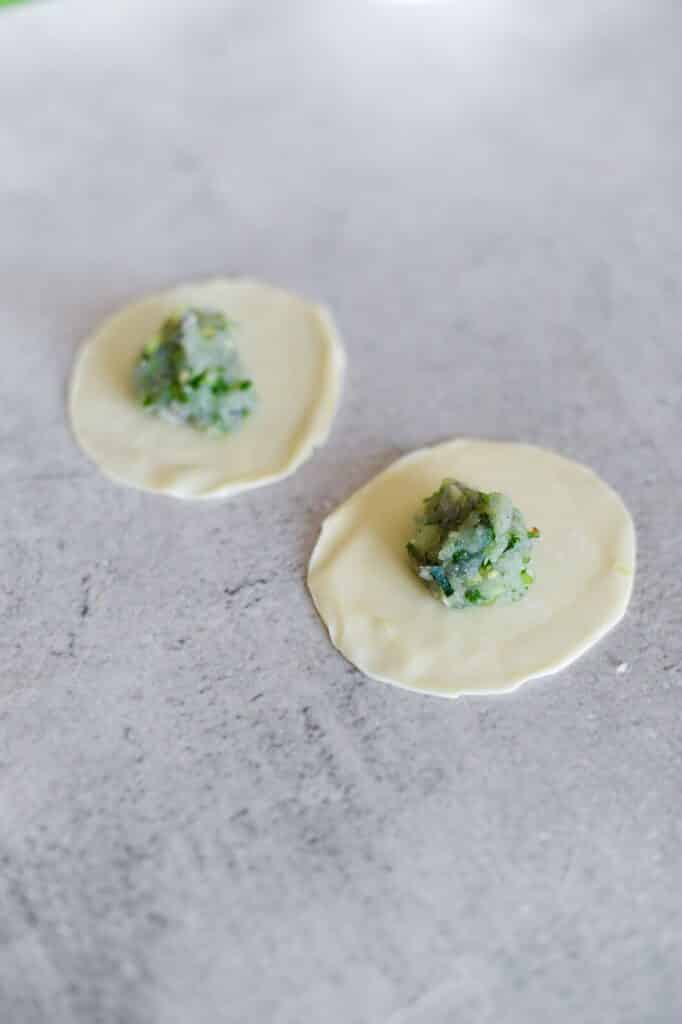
472	548
191	373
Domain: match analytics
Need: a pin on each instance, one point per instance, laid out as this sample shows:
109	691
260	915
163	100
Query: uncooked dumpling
292	352
382	617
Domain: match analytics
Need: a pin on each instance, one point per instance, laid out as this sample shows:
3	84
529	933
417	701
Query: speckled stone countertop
206	815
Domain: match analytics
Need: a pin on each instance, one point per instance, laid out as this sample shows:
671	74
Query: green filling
191	373
472	548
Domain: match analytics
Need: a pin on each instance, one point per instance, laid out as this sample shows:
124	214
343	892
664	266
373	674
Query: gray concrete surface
206	815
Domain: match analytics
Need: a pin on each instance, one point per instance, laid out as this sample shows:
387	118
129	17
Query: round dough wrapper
289	348
385	621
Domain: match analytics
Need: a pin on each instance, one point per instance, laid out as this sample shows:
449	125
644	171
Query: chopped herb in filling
190	372
472	548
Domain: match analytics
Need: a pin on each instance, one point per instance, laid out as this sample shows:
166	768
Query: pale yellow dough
289	348
385	621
